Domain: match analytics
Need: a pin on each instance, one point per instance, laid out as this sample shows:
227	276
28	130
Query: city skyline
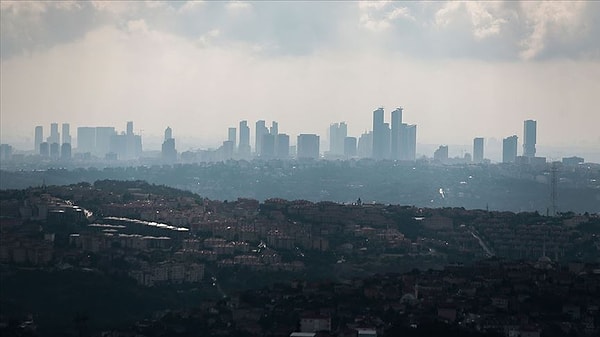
508	62
398	141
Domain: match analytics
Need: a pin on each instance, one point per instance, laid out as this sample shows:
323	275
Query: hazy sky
460	70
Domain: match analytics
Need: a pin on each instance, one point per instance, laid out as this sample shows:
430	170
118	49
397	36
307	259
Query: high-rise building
408	142
66	133
441	154
274	128
130	128
54	150
127	146
386	140
5	152
378	134
395	133
268	146
168	133
38	138
260	131
104	135
231	136
54	134
350	147
529	138
365	145
308	146
86	139
337	133
478	150
65	151
509	149
45	149
244	147
226	150
168	152
282	145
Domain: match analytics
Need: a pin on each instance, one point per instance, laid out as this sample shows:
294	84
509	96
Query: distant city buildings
478	150
260	131
337	135
396	133
380	131
509	149
529	138
168	151
5	152
54	134
38	138
244	147
386	141
66	133
308	146
441	154
350	147
283	146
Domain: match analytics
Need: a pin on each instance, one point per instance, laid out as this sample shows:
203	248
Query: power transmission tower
553	187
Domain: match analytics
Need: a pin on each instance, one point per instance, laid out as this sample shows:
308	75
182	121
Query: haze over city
460	70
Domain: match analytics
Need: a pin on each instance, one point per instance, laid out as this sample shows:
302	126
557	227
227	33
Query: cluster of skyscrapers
395	140
53	146
383	142
510	146
269	143
101	141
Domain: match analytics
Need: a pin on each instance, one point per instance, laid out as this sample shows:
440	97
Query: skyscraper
168	152
54	151
529	138
395	133
274	128
378	134
267	150
282	146
104	135
337	134
65	151
478	150
244	147
408	142
45	149
130	128
126	146
66	133
168	133
308	146
350	147
54	134
411	136
509	149
39	138
441	154
86	139
365	145
260	131
231	136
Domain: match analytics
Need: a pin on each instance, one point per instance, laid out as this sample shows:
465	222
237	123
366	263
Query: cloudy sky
460	70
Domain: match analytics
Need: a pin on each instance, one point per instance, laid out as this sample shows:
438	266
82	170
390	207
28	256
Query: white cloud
560	19
376	17
486	18
238	6
191	6
158	79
